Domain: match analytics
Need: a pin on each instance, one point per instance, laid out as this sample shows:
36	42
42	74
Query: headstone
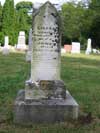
89	47
75	48
28	54
6	48
68	48
6	44
63	51
96	51
45	99
21	41
46	55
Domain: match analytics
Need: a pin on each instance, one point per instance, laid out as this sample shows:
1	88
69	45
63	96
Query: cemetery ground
81	74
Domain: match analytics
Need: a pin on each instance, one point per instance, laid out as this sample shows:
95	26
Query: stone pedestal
45	99
44	111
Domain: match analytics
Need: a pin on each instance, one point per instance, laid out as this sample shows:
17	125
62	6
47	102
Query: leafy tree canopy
8	20
24	20
72	18
0	15
95	28
24	5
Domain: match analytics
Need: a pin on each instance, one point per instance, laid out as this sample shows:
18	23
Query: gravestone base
21	47
5	51
44	111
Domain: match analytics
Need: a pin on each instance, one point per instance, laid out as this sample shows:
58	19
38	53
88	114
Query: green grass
81	74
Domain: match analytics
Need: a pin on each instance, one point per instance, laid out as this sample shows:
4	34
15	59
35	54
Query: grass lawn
81	74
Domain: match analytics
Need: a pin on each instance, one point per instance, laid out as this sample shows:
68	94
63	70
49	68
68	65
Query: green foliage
95	30
70	21
1	34
0	16
76	22
24	5
1	37
8	20
24	20
14	20
79	21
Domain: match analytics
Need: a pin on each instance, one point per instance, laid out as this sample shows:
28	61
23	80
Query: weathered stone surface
45	89
45	63
45	98
44	111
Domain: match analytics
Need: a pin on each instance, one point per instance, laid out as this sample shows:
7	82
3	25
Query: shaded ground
81	75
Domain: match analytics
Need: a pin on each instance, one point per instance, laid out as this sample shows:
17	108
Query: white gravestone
89	47
6	48
46	49
45	64
28	54
75	47
45	98
6	44
96	51
63	51
21	41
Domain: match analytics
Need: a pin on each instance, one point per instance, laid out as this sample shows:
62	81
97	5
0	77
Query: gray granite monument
45	99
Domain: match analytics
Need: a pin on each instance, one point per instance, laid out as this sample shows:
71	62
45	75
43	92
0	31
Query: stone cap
22	33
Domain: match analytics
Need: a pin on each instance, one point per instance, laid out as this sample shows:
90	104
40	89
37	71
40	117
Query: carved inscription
46	47
47	40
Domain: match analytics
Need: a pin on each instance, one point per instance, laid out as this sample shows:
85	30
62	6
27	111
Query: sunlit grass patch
81	74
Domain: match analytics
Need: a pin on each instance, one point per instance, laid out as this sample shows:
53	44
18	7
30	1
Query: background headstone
21	41
63	51
6	43
68	48
28	53
6	48
89	47
96	51
75	47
